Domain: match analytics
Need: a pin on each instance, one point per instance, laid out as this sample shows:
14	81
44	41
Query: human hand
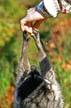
32	20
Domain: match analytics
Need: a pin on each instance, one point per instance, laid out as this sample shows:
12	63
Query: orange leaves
60	30
62	26
50	45
9	98
67	66
59	58
69	62
0	105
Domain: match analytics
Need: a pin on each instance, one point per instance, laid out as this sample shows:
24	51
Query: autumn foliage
9	98
57	33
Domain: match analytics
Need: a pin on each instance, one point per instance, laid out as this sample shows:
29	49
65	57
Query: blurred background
56	36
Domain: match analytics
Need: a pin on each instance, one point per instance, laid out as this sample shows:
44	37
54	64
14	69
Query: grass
11	44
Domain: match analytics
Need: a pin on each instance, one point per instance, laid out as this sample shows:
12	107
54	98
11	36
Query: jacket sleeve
48	8
41	9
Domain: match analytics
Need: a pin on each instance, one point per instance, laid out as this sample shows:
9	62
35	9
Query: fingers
26	24
37	24
32	16
26	27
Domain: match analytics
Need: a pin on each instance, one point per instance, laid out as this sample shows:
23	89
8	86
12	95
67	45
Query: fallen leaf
9	98
0	105
52	45
69	62
66	67
59	58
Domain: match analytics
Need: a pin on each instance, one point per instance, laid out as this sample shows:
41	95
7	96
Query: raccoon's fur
37	88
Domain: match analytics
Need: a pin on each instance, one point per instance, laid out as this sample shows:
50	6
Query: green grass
11	43
32	52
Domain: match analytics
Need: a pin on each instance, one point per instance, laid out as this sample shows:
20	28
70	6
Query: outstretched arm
24	65
43	59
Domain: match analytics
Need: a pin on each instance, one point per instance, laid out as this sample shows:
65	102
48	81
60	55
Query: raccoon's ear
68	1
